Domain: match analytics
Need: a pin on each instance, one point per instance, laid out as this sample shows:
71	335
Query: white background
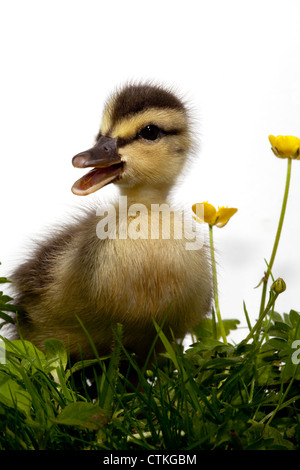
236	61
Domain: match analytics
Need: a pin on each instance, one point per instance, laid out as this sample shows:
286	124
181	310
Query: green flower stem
282	214
258	324
215	283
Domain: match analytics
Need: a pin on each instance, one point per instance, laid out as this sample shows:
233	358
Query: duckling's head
144	139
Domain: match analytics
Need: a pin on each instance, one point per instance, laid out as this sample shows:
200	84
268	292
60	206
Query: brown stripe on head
133	99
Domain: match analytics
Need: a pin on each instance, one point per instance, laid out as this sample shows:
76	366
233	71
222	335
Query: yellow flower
212	216
285	146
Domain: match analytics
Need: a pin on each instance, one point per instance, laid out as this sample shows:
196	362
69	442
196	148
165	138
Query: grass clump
211	396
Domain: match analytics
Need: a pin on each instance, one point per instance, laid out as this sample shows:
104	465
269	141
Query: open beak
106	163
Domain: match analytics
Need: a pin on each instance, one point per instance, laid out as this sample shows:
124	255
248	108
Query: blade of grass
247	316
107	385
112	374
190	384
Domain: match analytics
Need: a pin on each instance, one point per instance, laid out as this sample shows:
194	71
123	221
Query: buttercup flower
212	216
206	212
285	146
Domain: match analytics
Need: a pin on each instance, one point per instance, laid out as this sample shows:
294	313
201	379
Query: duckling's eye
150	132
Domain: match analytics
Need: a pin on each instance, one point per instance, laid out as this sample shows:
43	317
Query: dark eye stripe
122	141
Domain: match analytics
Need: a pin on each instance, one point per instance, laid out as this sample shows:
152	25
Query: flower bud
278	286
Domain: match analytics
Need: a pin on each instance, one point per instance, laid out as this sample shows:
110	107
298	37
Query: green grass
211	396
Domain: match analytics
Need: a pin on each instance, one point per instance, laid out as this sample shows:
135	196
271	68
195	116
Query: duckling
142	147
